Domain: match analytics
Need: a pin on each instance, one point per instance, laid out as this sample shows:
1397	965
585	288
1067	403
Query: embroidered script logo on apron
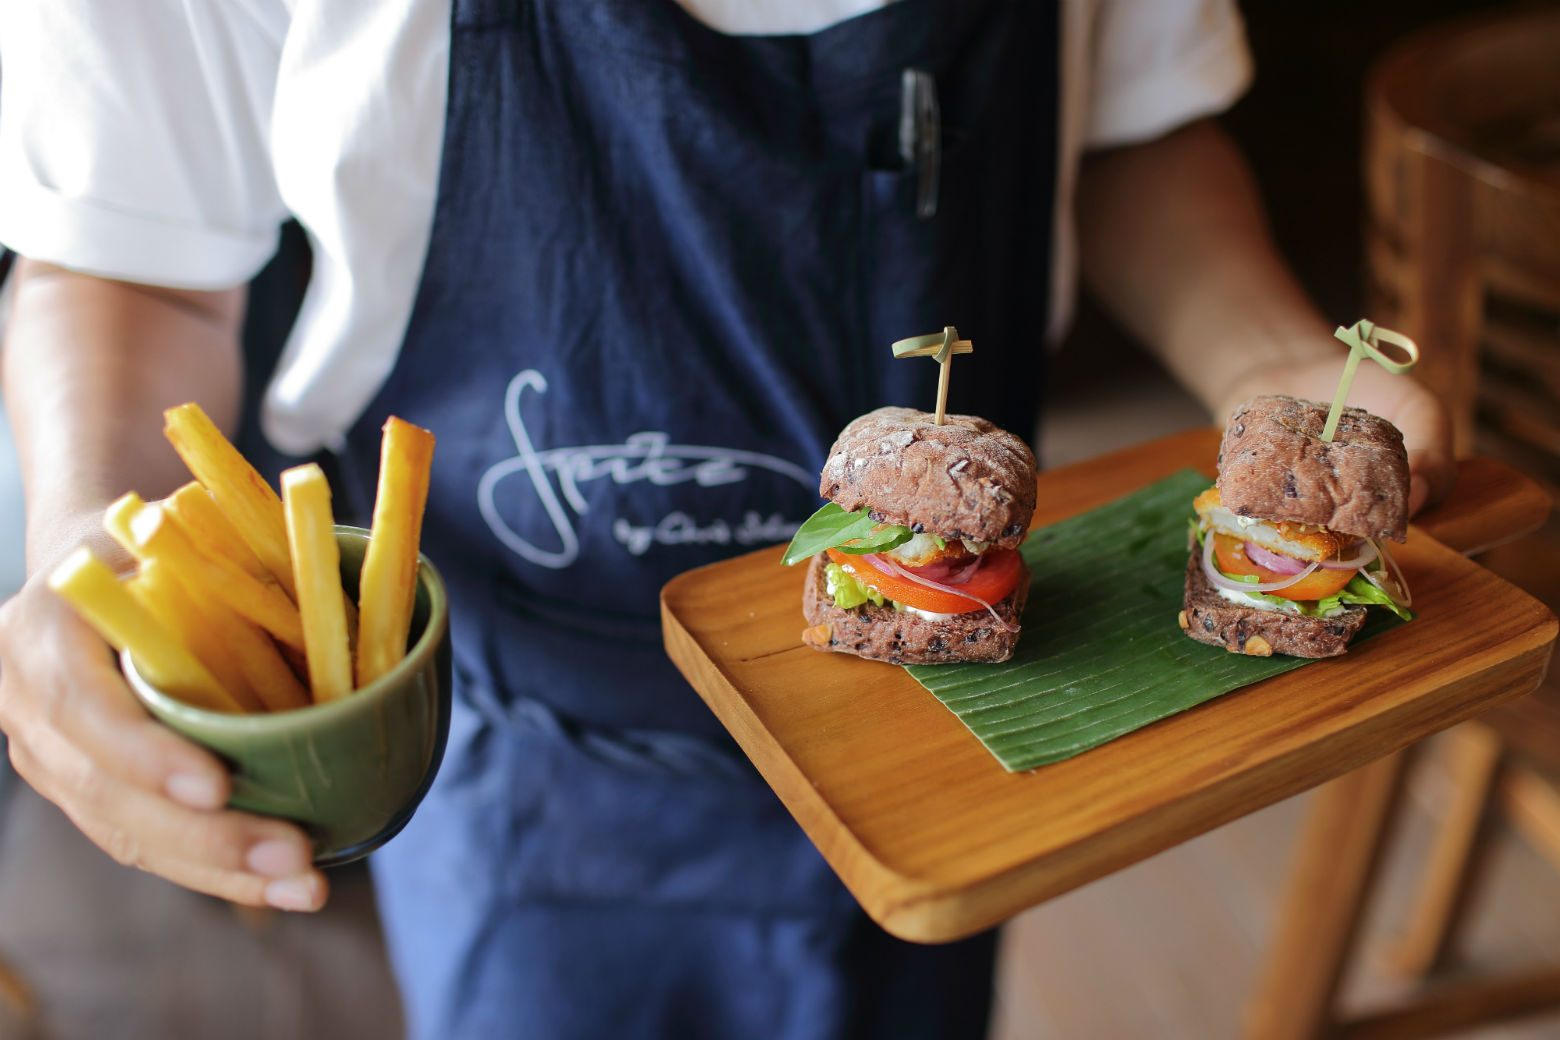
556	475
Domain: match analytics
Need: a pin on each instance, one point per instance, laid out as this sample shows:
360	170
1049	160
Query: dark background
1300	126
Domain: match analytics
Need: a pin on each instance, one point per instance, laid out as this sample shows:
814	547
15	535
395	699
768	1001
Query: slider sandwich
1291	540
914	560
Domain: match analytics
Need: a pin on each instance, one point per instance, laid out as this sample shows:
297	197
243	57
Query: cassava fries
166	600
92	588
215	629
241	492
238	593
388	588
116	521
264	603
311	535
194	510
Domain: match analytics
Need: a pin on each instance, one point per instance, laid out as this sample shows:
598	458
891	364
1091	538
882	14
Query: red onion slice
1367	552
1399	593
1232	585
955	571
888	566
1273	561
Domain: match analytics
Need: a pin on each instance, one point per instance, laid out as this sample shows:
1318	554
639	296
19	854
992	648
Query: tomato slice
1319	584
999	573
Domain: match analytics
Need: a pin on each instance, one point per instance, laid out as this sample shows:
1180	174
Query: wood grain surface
937	841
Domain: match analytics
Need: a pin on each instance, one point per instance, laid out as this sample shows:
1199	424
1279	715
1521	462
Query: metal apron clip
920	136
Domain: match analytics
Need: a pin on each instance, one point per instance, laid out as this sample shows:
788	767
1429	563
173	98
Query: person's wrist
54	533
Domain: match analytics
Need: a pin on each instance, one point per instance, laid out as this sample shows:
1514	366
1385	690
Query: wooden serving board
937	841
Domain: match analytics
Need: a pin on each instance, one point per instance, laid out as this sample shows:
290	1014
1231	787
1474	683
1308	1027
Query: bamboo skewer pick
1364	340
940	346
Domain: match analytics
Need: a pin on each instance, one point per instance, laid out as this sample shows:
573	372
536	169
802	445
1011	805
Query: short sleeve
134	137
1158	64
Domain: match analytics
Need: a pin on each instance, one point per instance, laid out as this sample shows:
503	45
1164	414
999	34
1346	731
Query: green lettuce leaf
1359	592
832	528
847	590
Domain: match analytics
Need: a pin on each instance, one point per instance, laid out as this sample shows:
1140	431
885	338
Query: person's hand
144	795
1420	416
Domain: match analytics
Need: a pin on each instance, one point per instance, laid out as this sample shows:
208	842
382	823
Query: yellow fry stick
167	601
268	668
116	521
194	510
388	588
217	634
264	603
243	494
90	586
311	535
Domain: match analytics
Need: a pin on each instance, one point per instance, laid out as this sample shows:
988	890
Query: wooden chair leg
1339	851
1471	757
1531	803
1452	1008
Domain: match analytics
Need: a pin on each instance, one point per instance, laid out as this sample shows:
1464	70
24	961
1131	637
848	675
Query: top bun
967	478
1274	465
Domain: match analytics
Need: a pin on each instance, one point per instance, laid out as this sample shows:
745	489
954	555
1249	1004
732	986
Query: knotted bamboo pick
941	346
1364	340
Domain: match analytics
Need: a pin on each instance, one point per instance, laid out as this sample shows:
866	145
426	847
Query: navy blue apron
666	267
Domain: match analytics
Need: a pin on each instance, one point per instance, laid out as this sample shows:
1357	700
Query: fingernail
290	894
277	859
195	791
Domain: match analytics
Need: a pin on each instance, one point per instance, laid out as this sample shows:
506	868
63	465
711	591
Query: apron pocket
656	818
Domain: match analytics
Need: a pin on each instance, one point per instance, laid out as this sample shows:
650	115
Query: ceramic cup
351	772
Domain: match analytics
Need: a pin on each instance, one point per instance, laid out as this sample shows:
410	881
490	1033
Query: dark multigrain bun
967	478
885	634
1210	618
1273	465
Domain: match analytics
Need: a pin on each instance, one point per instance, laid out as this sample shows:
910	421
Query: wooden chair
1462	170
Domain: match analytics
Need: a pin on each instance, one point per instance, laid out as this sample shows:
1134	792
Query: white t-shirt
165	143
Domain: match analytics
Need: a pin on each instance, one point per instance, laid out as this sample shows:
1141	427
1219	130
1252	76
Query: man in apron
663	268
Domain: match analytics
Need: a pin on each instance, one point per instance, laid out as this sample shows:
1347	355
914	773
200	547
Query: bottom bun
1212	619
898	637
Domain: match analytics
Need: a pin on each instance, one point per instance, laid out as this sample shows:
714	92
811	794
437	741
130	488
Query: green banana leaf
1101	652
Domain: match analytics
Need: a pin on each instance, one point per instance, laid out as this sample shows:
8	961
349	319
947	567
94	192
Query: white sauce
1251	601
925	615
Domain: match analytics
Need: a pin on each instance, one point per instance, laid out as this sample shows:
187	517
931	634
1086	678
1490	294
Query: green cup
350	772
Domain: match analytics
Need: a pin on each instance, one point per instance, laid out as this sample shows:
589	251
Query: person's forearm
89	366
1173	241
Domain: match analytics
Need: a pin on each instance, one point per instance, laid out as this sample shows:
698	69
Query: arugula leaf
832	528
880	540
1363	593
